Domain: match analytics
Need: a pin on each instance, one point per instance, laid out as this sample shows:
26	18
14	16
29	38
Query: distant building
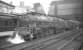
21	9
5	7
11	3
53	9
39	8
22	4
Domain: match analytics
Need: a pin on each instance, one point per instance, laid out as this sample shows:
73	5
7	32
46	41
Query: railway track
59	43
42	42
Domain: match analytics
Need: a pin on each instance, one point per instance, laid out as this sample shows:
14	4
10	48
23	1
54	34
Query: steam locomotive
35	25
39	25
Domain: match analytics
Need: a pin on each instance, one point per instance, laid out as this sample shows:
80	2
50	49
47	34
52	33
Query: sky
45	3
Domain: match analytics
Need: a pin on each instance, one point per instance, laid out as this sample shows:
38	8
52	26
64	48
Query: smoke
46	4
16	40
